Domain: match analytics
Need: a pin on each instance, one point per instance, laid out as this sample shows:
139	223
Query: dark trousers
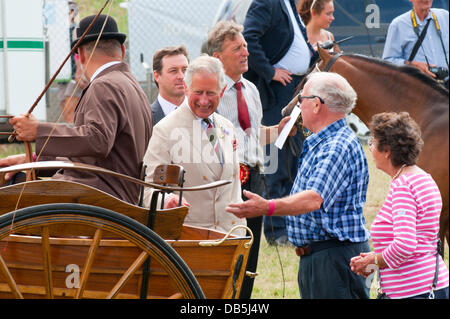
280	182
254	184
326	274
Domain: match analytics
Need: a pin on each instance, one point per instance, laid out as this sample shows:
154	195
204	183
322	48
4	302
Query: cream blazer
180	139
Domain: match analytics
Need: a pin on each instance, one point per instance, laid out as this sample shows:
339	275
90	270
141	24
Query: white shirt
103	67
298	56
249	148
167	106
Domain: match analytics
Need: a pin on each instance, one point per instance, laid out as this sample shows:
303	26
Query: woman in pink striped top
404	232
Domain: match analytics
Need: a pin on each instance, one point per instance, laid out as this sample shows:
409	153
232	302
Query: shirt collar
167	106
429	16
103	67
230	82
316	138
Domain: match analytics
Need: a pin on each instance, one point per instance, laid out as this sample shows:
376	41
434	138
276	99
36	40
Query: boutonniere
223	131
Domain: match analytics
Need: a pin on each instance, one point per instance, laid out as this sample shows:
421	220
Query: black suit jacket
269	33
157	111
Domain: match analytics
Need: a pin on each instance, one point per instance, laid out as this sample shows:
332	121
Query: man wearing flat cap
112	122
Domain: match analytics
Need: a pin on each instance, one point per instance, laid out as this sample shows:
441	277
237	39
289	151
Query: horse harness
332	61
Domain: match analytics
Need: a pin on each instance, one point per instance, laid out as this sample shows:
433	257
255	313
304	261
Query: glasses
301	98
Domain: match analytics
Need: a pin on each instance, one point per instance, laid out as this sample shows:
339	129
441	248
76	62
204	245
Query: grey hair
205	64
221	31
334	89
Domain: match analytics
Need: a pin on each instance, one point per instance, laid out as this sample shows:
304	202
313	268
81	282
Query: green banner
25	45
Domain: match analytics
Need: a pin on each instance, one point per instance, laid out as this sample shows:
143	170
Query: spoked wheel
82	251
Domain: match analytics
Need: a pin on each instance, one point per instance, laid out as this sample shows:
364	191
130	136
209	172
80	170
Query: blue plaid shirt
332	164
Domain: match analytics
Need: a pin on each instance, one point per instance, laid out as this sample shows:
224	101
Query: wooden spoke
47	262
88	264
128	274
9	279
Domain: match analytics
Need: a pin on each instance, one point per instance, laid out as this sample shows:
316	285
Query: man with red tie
241	105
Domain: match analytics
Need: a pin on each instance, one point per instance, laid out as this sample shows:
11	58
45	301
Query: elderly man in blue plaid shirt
325	209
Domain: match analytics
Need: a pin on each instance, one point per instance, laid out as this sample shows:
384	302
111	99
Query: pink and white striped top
405	232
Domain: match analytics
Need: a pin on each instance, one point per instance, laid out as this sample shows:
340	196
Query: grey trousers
326	274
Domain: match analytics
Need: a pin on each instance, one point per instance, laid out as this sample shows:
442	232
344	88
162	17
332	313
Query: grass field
278	270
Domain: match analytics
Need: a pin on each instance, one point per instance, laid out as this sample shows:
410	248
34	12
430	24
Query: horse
384	87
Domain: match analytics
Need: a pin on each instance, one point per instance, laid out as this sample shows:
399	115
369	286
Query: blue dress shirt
334	165
401	39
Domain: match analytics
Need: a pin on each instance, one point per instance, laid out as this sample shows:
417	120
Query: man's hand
283	122
255	206
25	127
10	161
172	200
283	76
422	66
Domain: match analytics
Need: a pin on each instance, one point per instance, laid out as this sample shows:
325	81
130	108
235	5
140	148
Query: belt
317	246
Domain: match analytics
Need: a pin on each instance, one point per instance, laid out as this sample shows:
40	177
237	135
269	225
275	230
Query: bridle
331	62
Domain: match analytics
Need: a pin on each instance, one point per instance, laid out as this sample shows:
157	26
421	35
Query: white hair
208	64
337	93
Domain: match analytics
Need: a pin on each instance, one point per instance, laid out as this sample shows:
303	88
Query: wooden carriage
61	239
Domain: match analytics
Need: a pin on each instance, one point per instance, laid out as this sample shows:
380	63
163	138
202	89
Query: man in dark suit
280	55
169	66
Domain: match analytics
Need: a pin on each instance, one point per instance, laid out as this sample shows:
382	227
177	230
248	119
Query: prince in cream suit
182	138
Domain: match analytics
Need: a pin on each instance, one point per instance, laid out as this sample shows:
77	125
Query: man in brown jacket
112	123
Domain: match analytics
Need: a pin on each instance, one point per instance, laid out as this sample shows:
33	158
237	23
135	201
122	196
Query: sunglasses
301	98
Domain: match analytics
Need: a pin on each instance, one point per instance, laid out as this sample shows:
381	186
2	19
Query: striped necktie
212	137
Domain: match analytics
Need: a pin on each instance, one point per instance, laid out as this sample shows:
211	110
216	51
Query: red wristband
34	157
271	207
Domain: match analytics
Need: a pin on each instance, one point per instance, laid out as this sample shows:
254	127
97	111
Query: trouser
326	273
254	184
281	180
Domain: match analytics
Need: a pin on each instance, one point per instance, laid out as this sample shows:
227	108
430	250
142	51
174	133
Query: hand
10	161
283	76
283	122
253	207
172	200
363	265
422	66
25	127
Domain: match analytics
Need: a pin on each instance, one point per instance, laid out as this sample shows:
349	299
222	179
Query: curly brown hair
400	134
304	8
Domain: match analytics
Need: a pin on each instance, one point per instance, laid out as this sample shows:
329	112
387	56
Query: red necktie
243	117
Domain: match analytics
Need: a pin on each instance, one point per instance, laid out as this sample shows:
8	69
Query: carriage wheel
110	232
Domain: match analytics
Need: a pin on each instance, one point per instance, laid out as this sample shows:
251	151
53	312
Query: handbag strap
436	272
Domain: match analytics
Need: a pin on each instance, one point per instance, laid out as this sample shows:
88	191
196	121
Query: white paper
287	128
